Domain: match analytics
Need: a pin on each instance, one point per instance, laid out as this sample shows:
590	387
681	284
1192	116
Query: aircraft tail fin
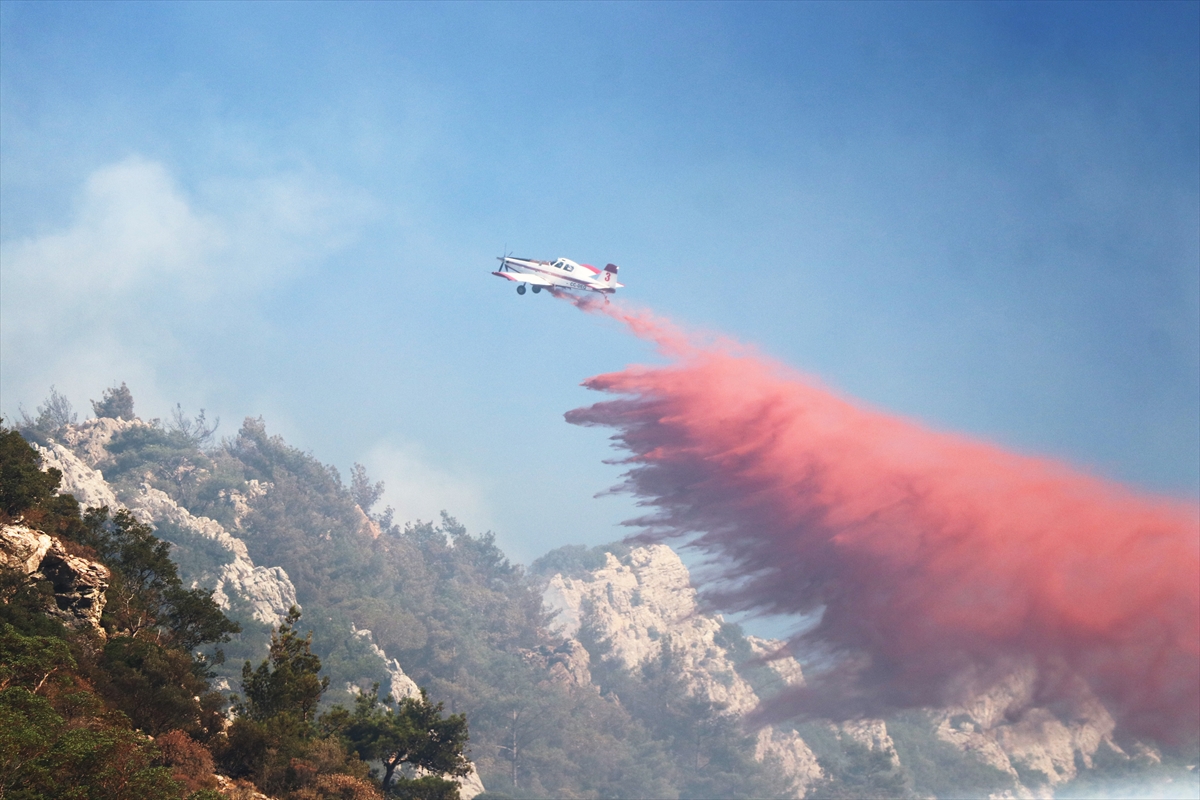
609	276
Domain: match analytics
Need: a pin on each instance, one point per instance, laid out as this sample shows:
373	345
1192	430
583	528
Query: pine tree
410	733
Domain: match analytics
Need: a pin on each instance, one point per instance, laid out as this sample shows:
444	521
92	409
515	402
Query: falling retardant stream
938	563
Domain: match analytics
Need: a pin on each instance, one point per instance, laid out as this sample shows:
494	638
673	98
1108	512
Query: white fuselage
562	273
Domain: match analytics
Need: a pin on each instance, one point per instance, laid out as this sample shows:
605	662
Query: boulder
570	663
79	583
22	548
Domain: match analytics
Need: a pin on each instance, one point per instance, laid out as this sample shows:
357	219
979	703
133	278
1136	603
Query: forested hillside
106	668
388	602
591	674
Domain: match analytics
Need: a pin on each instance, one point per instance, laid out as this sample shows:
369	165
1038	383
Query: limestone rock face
267	590
872	734
569	664
638	606
470	785
79	586
78	477
79	583
22	548
366	525
777	659
993	727
89	439
793	754
241	500
402	686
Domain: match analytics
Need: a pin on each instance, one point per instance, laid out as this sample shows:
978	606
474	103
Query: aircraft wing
524	277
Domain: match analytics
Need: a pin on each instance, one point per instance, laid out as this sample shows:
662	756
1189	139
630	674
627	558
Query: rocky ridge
267	591
635	603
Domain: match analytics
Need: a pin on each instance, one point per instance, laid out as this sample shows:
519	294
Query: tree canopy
410	733
116	403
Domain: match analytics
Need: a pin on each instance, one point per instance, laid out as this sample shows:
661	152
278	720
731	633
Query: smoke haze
940	563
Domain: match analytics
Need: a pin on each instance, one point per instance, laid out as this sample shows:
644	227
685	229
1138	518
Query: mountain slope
594	674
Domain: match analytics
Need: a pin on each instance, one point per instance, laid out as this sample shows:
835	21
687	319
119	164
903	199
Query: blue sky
981	216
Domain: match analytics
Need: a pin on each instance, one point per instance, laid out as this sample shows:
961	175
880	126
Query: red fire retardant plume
940	563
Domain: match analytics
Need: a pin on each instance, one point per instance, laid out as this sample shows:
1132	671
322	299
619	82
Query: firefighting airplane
561	274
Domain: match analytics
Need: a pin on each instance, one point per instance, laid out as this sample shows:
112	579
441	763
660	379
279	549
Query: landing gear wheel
520	288
537	289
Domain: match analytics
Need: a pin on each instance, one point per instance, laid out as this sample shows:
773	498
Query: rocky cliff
645	601
640	602
1003	728
267	591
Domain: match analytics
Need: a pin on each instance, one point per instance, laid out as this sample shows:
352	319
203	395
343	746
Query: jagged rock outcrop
78	477
79	453
872	734
366	525
401	685
568	663
22	548
79	586
267	591
634	607
637	603
470	785
792	753
241	500
637	606
89	439
78	583
1003	728
777	659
